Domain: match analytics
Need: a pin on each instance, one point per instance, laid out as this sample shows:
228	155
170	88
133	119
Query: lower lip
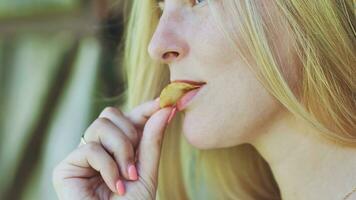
184	101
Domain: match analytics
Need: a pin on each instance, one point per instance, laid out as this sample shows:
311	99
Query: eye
195	3
198	1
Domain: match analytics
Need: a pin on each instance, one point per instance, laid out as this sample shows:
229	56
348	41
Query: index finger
140	114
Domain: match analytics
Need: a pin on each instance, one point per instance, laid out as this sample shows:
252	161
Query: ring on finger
82	140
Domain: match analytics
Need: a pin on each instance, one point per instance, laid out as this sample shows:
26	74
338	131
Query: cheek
209	46
231	110
234	107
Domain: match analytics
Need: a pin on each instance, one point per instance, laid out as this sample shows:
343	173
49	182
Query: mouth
186	98
200	83
184	101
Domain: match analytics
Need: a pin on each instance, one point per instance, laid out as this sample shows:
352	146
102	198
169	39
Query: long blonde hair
324	35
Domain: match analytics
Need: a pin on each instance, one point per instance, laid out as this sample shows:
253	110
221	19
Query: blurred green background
59	67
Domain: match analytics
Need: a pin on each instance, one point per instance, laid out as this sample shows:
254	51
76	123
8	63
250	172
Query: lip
200	83
187	99
184	101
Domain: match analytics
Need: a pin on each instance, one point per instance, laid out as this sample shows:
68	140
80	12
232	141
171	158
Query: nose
167	44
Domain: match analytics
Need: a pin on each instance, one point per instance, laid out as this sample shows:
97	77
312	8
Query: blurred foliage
53	83
21	8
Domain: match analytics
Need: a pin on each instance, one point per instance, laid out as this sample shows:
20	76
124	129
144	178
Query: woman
279	78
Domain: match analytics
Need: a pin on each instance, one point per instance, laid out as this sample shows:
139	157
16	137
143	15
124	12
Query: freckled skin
233	107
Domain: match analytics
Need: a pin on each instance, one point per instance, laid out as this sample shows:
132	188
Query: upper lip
198	83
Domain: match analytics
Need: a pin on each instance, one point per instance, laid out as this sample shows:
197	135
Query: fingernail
157	99
173	112
120	187
132	172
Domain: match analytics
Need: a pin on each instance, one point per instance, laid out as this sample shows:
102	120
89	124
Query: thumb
149	149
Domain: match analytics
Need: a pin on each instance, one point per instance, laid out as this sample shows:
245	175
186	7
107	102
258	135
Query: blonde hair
324	35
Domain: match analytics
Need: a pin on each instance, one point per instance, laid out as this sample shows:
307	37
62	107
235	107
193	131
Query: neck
305	164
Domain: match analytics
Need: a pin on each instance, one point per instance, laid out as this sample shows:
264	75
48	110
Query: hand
121	155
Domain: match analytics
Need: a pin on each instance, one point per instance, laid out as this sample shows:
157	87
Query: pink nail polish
173	112
120	187
132	172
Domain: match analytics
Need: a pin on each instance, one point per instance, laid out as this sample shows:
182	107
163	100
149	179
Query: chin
198	142
202	136
195	134
199	136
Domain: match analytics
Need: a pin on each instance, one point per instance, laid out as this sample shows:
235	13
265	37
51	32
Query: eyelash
198	2
161	3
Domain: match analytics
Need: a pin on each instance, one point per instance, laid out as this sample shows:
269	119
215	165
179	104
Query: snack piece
173	92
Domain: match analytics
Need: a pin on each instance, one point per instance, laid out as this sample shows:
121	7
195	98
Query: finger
105	132
150	144
140	114
121	121
92	155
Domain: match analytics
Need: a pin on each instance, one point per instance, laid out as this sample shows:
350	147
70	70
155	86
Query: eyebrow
163	1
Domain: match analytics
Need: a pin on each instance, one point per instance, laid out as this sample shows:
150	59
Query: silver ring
82	140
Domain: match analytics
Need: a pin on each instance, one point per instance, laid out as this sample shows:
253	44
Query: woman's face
233	107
